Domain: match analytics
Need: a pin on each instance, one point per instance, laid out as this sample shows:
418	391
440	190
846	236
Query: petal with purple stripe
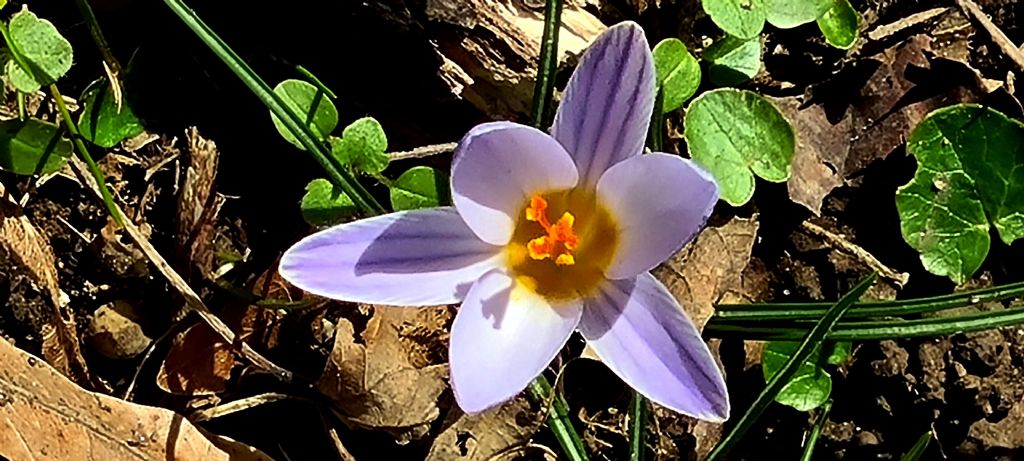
604	115
660	202
497	167
639	330
503	337
409	258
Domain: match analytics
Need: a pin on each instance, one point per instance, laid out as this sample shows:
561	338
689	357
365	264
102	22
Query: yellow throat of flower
568	258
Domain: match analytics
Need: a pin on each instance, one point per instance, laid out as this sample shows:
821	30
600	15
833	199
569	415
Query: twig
237	405
192	300
998	37
343	452
856	251
424	151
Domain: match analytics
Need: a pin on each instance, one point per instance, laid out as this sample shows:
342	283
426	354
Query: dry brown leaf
487	435
44	416
839	137
198	205
22	245
710	268
199	363
391	379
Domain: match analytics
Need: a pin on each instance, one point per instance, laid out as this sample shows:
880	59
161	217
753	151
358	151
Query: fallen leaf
391	379
710	268
839	136
486	435
199	363
23	246
44	416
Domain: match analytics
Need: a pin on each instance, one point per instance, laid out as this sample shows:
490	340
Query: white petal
503	337
660	202
409	258
638	329
497	167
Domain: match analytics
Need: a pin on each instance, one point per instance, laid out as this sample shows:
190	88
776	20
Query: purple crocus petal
639	330
503	337
496	168
606	109
659	201
409	258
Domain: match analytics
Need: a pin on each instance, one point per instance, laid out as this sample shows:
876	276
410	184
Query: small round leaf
736	134
325	204
363	146
311	104
32	147
678	73
840	25
45	52
732	61
739	18
419	187
101	122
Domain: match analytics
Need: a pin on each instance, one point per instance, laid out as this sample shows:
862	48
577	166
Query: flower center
567	258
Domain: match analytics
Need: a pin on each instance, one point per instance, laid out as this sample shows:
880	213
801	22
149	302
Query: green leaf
739	18
968	178
787	14
678	73
840	352
310	103
42	49
325	204
363	146
736	134
840	24
419	187
101	122
810	387
732	61
32	147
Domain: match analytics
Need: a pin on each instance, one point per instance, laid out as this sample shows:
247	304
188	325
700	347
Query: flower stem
558	420
335	171
545	86
811	342
819	424
637	427
76	138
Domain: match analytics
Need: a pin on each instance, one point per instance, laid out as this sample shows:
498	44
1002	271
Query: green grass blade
335	171
558	420
810	343
791	311
918	449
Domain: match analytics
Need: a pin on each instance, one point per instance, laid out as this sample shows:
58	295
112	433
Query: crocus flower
550	233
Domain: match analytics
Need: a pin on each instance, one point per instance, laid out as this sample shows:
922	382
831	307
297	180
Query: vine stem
97	173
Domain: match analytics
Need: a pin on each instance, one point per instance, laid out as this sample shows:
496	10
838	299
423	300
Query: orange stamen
559	234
